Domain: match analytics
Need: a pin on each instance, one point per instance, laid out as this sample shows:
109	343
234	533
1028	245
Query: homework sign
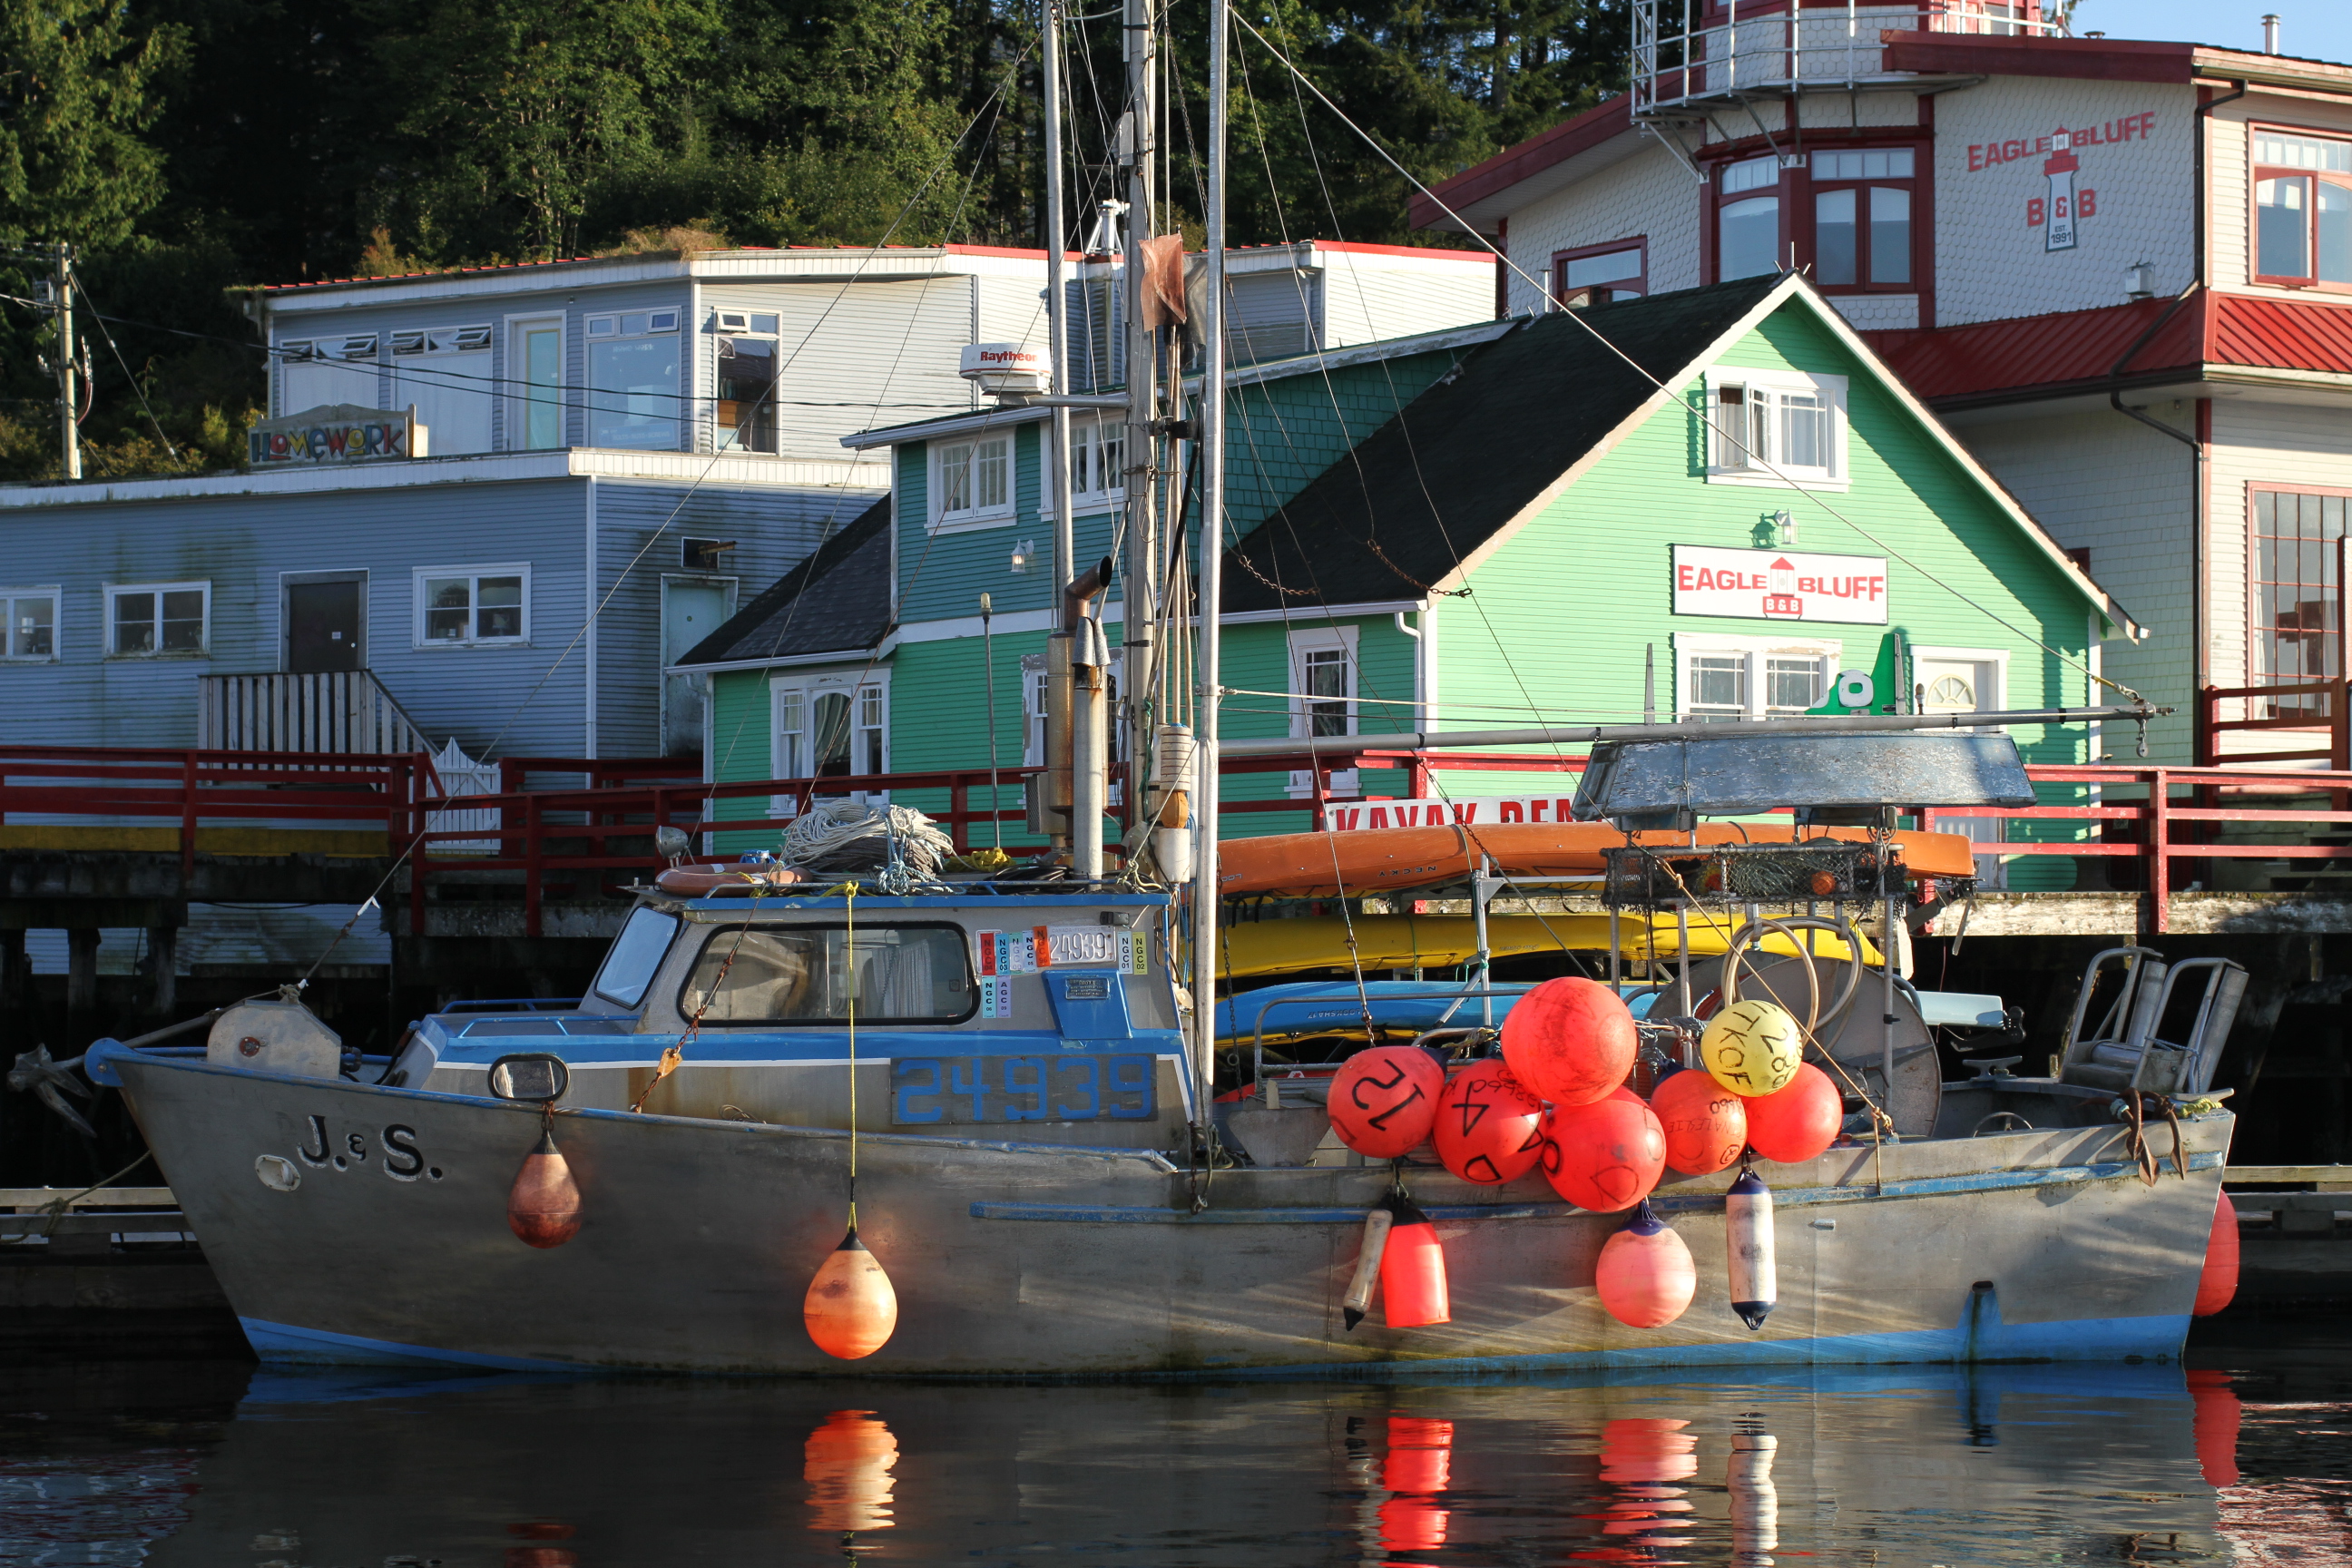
1779	586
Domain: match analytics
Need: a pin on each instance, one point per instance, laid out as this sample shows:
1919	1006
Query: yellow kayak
1249	948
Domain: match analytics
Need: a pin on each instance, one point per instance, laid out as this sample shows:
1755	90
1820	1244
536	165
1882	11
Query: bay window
2302	210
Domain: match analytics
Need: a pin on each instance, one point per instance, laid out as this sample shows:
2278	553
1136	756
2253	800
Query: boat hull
698	1239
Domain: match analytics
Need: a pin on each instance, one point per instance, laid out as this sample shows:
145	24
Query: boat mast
1055	783
1211	598
1140	571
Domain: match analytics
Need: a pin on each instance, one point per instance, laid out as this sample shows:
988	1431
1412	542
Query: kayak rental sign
1779	586
1355	815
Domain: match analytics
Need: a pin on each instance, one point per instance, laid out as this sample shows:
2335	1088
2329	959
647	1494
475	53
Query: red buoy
850	1309
2216	1282
543	1205
1797	1120
1570	1040
1384	1101
2215	1415
1419	1466
1705	1124
1489	1128
847	1464
1412	1271
1645	1276
1605	1156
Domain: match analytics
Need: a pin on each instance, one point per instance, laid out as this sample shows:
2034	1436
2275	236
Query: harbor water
2242	1455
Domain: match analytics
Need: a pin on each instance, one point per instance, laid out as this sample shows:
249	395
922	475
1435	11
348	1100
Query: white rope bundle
850	836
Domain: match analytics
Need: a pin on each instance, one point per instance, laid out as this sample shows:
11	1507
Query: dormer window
1776	428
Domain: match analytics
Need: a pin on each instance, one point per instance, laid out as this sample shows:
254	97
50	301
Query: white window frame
1756	652
1996	657
1730	463
1992	869
860	687
610	327
1303	641
970	518
518	398
115	592
474	574
9	599
1085	435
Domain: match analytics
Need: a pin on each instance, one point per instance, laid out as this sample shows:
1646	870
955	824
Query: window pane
1834	239
1890	234
1804	434
832	734
183	620
2298	602
633	400
2303	152
1612	267
2333	223
1081	455
1749	235
955	479
32	629
1792	685
747	394
811	974
1110	457
447	608
636	953
500	607
2282	238
1325	670
134	623
791	736
1751	174
1731	426
993	476
542	370
1720	682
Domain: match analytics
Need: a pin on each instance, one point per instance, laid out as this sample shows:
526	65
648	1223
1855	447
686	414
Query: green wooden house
1712	503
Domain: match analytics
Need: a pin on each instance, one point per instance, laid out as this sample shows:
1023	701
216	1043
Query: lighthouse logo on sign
2059	170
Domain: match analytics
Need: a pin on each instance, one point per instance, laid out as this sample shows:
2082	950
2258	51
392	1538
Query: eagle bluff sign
1779	586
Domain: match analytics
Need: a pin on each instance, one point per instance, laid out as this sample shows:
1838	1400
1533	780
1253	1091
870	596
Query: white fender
1748	1229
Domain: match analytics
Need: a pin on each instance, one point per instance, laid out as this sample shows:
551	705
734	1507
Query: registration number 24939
933	1090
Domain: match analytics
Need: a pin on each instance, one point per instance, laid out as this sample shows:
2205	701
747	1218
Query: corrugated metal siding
1562	609
854	355
773	531
1011	310
1273	315
1366	298
1098	331
2281	334
2041	351
242	545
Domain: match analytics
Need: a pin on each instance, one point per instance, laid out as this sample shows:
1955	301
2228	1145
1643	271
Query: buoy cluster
1557	1100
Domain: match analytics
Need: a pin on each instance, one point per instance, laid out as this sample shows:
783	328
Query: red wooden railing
2281	706
2157	826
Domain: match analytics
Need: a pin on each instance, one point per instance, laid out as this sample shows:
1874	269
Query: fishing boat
1020	1093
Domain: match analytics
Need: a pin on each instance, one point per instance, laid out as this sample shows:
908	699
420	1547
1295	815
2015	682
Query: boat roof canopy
1736	775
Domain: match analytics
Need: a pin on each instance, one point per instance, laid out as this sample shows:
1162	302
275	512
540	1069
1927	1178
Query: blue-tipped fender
1748	1233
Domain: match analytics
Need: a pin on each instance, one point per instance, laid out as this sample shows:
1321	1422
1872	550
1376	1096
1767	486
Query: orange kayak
1375	859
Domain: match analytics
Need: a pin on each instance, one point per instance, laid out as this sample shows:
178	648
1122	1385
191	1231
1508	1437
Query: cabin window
146	619
636	952
814	975
748	362
2302	210
446	373
470	607
28	623
1732	677
1598	274
2297	597
633	380
1098	462
974	480
1776	428
1862	217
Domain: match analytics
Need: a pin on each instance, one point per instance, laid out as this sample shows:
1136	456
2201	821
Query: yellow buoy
1752	1048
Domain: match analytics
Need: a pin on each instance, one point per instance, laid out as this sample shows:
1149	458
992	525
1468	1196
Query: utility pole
69	404
1140	590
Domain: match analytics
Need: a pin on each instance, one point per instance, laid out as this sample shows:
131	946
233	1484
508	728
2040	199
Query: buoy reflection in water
1420	1466
1641	1458
1754	1503
847	1467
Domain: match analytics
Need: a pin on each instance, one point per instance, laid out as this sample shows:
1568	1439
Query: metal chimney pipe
2270	33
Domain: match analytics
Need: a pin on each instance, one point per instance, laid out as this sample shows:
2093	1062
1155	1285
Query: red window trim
1797	208
1640	282
2254	628
2256	175
1916	183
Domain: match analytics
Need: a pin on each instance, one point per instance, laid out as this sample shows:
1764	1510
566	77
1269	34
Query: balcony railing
1689	52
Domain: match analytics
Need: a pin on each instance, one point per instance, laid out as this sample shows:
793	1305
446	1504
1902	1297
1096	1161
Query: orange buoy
543	1205
850	1310
1705	1124
2216	1282
1418	1467
1384	1101
847	1464
1489	1128
1412	1271
1645	1276
1797	1121
1570	1040
1605	1156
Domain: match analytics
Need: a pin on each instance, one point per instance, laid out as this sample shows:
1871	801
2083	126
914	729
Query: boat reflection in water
1990	1466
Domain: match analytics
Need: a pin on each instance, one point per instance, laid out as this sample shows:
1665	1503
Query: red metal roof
2090	59
2279	334
2041	352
